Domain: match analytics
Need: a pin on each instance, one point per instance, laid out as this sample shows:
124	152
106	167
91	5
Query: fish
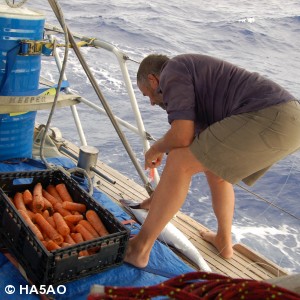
170	235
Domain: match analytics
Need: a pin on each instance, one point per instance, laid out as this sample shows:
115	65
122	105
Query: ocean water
259	35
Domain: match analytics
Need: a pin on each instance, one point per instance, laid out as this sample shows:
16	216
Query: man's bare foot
135	255
224	247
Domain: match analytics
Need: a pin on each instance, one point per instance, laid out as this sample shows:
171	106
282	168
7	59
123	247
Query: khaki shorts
243	147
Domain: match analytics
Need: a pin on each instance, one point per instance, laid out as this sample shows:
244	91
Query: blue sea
259	35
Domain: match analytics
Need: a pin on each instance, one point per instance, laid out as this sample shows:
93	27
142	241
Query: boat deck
245	262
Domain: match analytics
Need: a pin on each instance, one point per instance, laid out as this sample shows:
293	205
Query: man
227	122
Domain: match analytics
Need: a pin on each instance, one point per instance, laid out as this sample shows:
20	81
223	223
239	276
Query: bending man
227	122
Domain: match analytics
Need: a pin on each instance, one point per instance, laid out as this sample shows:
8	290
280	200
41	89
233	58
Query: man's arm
181	134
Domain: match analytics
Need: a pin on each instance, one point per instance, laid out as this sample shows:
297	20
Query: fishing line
258	263
271	203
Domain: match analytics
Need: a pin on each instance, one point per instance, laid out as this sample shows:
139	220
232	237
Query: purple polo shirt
206	90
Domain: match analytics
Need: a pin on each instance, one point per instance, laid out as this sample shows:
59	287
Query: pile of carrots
56	219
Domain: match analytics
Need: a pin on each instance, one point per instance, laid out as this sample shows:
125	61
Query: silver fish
170	235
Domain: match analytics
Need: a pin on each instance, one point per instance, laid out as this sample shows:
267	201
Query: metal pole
73	107
110	114
121	57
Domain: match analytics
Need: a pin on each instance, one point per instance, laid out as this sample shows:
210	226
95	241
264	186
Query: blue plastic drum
19	75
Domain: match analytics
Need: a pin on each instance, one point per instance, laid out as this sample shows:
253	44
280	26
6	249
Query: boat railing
122	59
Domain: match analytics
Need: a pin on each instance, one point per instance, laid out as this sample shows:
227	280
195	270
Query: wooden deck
245	262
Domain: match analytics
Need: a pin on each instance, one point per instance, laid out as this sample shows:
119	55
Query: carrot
51	221
27	197
69	239
58	207
45	213
48	229
89	227
48	206
95	221
53	192
73	218
63	192
64	244
19	203
35	230
151	174
51	245
49	197
94	250
77	237
38	200
61	224
31	215
46	239
74	206
71	226
87	236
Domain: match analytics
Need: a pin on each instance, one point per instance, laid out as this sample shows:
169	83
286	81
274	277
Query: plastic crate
64	264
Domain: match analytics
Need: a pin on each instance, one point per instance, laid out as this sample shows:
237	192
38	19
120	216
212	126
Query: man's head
148	77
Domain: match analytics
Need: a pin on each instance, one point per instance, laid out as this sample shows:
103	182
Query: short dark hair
152	64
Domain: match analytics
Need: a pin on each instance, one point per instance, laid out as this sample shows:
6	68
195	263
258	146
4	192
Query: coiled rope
196	286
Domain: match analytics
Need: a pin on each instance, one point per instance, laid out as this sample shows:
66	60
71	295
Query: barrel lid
19	13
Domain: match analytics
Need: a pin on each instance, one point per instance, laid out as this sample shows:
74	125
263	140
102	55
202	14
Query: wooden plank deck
245	262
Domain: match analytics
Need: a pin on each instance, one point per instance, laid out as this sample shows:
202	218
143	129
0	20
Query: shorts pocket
283	134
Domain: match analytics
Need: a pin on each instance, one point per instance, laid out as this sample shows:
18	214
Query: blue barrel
19	75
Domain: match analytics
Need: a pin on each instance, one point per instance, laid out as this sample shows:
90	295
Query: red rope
200	285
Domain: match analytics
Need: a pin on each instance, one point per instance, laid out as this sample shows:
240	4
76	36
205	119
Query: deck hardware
31	47
88	158
72	155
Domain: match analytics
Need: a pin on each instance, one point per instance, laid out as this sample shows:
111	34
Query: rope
196	286
58	12
15	5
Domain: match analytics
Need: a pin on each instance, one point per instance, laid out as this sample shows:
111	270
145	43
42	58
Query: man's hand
181	134
153	158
